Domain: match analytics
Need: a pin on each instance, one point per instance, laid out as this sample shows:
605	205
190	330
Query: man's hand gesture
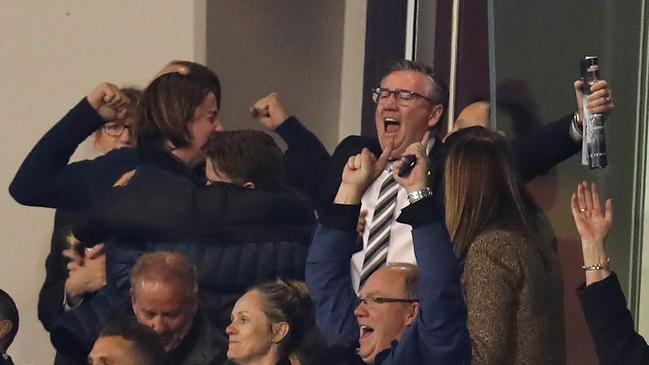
359	172
418	177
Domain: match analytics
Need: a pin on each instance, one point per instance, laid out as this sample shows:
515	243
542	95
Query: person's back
511	278
514	296
242	228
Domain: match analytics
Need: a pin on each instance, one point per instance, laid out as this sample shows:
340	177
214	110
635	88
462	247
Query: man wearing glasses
410	101
403	314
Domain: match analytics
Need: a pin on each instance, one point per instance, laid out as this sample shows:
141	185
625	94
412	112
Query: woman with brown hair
511	279
274	323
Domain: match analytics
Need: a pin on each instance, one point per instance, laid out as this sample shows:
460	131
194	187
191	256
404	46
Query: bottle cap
589	66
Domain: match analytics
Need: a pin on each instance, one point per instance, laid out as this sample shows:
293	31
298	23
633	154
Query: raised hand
269	111
593	220
359	172
418	177
593	223
599	101
109	101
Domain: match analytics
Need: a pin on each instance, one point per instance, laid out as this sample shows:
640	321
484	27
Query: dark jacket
439	335
5	359
203	345
45	178
235	236
51	295
611	324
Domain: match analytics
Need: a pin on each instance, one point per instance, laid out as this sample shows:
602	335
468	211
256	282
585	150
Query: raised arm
307	161
328	271
602	299
45	178
537	152
439	335
328	275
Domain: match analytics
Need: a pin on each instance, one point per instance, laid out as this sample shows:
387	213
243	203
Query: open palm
593	220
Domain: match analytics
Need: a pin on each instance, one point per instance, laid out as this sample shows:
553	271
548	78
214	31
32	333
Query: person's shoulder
357	143
210	342
499	237
501	244
123	158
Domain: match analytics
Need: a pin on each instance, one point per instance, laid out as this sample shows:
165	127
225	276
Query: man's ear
195	304
5	328
249	185
132	293
412	314
435	114
279	331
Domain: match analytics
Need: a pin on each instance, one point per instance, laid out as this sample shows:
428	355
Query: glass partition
535	49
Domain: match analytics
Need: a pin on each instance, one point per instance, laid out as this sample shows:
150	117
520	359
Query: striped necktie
376	251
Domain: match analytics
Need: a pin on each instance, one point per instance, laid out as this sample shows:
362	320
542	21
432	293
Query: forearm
595	254
441	322
611	324
306	160
328	277
35	182
537	152
442	313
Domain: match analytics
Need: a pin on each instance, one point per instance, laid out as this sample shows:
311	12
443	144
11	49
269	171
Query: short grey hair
437	89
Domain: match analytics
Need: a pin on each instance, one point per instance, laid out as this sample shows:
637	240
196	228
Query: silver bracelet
417	195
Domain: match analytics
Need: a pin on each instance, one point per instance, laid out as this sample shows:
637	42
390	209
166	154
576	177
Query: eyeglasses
371	301
115	129
403	97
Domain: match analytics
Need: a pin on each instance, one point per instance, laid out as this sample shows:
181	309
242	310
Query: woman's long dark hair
482	188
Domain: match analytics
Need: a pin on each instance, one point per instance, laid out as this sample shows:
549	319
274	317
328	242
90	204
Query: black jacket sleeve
611	324
45	178
536	153
306	161
50	298
160	206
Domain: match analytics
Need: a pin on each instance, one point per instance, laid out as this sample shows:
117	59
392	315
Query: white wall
52	54
310	52
351	79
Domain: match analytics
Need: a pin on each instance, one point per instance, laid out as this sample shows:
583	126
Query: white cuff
66	305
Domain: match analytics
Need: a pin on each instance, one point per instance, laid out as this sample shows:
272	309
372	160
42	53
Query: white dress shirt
400	248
